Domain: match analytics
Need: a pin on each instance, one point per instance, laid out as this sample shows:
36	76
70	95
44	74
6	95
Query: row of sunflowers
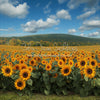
32	70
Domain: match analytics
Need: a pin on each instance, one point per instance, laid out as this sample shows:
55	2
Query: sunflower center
83	63
25	74
32	62
66	70
19	84
7	70
93	63
21	61
17	67
48	67
23	67
60	63
89	71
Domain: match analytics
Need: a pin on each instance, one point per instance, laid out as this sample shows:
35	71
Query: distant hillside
57	38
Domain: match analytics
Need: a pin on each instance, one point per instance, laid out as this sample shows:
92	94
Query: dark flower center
89	71
93	63
32	62
21	61
60	63
23	67
17	67
82	63
19	84
48	67
7	70
25	74
66	70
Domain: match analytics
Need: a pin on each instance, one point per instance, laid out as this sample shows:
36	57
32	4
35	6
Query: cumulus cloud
86	14
94	34
61	1
34	26
75	3
70	31
81	34
8	8
63	14
90	24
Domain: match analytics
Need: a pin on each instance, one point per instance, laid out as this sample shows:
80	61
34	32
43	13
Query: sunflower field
50	70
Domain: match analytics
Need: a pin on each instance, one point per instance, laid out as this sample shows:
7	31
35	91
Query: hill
57	38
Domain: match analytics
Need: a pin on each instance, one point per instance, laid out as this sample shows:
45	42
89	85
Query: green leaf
97	81
86	78
64	91
14	77
34	75
47	92
30	82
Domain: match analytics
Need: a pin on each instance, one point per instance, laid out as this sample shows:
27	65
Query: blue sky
31	17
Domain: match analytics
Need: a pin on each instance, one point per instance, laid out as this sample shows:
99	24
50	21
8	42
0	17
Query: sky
33	17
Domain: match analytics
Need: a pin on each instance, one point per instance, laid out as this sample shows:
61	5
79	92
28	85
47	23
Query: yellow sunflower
93	62
32	62
48	67
23	66
20	84
25	74
82	63
70	63
66	70
60	63
7	71
89	71
17	67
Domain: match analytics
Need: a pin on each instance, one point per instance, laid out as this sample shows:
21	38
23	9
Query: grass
13	96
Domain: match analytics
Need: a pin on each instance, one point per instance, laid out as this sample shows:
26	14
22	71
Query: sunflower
48	67
64	59
98	65
20	84
30	68
44	62
93	62
25	74
23	66
66	70
21	61
16	67
71	63
7	71
32	62
82	63
55	75
89	71
60	63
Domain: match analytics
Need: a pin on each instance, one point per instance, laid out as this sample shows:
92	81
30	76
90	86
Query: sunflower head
25	74
66	70
7	71
48	67
93	63
60	63
20	84
89	71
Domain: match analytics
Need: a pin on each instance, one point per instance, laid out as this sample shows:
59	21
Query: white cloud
94	34
9	29
86	14
70	31
61	1
81	34
34	26
75	3
63	14
9	9
90	24
47	8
